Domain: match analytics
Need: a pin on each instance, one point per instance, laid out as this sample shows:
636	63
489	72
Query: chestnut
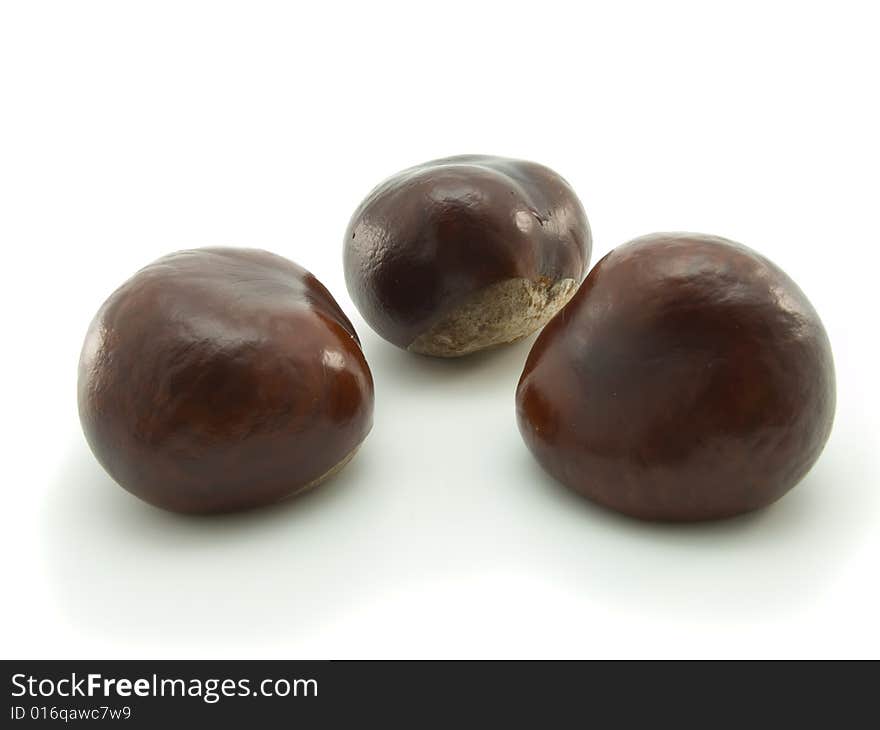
688	379
221	379
464	253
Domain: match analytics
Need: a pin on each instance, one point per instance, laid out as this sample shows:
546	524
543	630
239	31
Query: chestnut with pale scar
464	253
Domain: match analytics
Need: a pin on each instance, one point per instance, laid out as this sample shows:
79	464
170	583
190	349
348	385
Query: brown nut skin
222	379
688	379
424	250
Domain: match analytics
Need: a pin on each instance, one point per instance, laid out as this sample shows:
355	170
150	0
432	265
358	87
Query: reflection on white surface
462	527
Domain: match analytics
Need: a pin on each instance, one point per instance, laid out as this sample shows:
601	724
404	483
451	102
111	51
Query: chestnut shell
688	379
221	379
433	235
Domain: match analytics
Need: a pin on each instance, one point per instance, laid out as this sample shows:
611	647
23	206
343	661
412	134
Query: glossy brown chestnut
688	379
463	253
222	379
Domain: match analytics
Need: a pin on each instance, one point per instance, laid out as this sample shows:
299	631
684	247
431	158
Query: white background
129	130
